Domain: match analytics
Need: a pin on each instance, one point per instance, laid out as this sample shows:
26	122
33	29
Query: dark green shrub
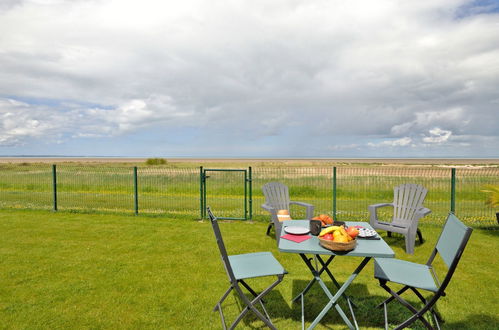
155	161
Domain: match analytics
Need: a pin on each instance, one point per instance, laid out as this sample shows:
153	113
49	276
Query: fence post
453	191
250	193
54	185
135	190
334	192
250	186
201	204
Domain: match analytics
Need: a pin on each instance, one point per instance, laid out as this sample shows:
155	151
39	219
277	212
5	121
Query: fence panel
470	199
306	184
170	191
359	187
95	188
25	185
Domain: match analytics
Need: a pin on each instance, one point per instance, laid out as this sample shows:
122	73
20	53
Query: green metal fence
229	191
26	186
345	191
360	187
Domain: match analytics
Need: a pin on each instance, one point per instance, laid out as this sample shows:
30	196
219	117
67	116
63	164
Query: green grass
109	271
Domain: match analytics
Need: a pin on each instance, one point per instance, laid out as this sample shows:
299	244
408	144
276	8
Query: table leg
333	300
324	265
313	270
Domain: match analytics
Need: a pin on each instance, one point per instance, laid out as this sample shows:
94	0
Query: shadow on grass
476	321
315	300
398	240
366	312
275	304
490	231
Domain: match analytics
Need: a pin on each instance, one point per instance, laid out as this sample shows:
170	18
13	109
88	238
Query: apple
352	231
328	237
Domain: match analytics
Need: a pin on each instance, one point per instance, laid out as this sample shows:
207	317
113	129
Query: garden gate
227	191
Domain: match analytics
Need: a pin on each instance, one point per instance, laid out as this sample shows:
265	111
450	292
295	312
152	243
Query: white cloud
384	71
17	122
422	121
20	121
402	142
344	147
437	135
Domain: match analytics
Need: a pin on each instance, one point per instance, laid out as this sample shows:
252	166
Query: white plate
295	230
366	232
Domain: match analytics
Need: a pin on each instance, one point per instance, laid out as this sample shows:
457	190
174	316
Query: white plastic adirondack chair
408	208
277	198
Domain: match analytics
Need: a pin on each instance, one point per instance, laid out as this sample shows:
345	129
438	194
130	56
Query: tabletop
364	248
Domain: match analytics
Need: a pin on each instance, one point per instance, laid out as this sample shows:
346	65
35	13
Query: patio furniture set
407	210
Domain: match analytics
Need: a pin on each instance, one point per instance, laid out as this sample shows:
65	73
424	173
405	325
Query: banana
329	230
343	231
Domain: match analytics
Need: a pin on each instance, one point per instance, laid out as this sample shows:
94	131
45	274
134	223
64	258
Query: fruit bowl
337	246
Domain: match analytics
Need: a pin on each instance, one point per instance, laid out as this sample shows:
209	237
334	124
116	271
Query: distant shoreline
416	161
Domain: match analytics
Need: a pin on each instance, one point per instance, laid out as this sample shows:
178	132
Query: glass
315	227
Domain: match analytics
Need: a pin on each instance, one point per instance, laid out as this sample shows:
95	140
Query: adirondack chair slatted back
407	199
276	195
221	246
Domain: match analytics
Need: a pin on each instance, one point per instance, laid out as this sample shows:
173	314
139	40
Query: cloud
437	135
17	122
344	147
454	119
21	121
254	72
402	142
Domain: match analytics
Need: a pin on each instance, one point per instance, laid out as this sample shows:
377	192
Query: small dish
295	230
366	232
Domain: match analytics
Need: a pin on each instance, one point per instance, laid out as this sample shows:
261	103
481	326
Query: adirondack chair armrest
309	208
269	208
419	214
374	207
423	211
300	203
373	214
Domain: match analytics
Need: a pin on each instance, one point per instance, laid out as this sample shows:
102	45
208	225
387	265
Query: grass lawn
67	270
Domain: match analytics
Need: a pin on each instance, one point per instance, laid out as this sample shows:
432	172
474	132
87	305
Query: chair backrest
221	245
453	239
407	199
276	195
451	244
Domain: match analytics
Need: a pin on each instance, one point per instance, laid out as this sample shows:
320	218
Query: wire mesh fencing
172	191
26	186
360	187
312	185
95	188
470	197
169	191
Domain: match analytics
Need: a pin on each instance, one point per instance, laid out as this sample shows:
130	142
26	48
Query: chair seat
255	265
405	272
392	227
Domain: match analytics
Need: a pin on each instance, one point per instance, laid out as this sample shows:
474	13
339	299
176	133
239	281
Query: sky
250	79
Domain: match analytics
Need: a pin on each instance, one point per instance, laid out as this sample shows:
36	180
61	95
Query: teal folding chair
241	267
413	276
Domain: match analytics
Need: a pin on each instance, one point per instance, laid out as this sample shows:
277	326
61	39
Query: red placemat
296	238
